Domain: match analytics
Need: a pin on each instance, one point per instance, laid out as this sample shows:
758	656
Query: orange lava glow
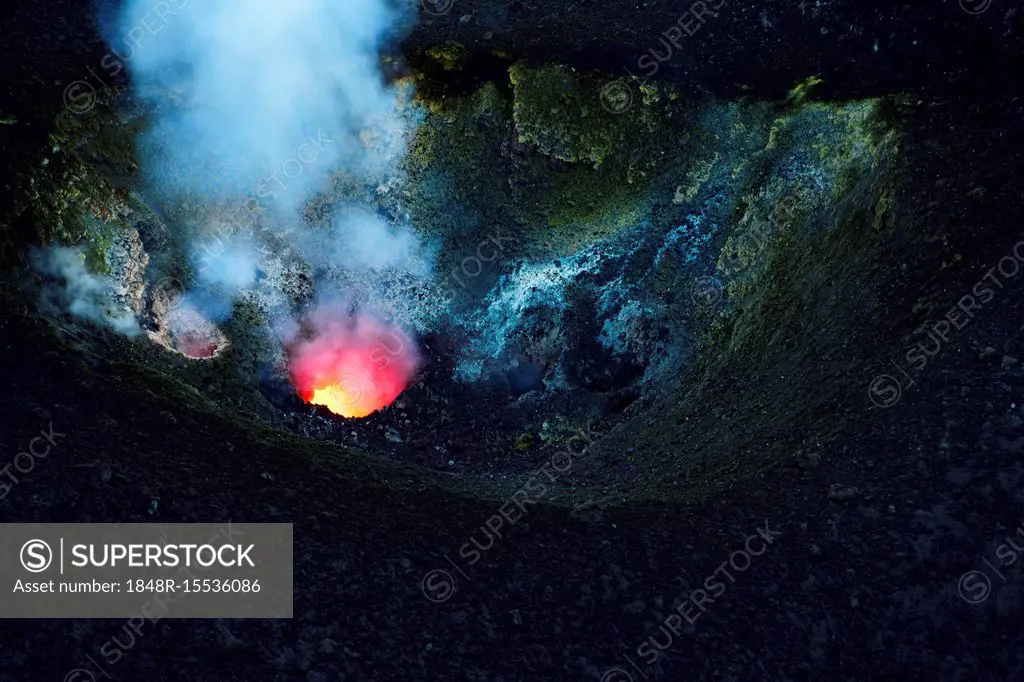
352	365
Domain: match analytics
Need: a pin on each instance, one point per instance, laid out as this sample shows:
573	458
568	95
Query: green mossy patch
572	116
457	179
846	144
597	155
576	162
99	238
77	192
451	56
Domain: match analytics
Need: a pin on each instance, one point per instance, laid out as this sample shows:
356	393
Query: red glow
195	346
183	329
351	364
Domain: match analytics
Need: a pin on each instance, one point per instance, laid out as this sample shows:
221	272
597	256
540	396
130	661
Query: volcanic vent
351	363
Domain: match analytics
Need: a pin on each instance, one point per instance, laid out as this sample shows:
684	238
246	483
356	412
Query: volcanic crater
379	286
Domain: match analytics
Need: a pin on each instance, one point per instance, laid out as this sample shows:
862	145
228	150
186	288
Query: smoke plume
255	103
70	287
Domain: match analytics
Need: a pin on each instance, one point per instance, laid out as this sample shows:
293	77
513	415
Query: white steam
70	287
233	264
252	105
272	94
359	239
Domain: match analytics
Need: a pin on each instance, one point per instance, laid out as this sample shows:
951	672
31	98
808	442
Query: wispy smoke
70	287
254	104
359	239
255	80
234	266
227	267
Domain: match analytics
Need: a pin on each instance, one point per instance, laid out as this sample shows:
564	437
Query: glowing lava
351	364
